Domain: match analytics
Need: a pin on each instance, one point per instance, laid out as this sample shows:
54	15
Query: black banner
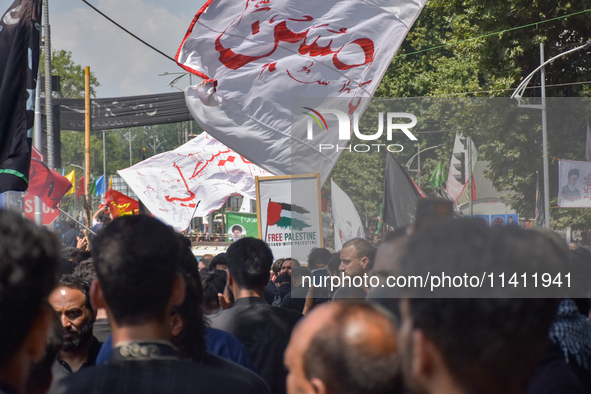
120	112
19	60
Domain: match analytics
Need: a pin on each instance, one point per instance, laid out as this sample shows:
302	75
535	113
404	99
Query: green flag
437	178
379	229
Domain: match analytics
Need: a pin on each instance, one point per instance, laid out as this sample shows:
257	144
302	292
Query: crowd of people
135	312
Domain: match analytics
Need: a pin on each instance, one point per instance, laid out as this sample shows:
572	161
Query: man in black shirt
263	329
136	259
71	302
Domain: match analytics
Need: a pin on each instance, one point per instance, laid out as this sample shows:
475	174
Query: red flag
48	185
273	213
80	191
120	204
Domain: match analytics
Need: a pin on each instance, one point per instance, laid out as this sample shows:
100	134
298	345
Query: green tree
468	62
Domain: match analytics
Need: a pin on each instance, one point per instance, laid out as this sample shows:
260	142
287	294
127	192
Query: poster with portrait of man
574	184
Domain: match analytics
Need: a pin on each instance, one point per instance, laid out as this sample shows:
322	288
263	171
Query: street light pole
518	93
545	143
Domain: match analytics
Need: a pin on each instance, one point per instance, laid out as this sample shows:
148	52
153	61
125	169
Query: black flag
19	60
400	194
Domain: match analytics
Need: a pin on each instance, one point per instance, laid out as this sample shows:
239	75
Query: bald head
343	348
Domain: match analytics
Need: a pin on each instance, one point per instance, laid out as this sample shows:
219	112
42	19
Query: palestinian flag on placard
287	216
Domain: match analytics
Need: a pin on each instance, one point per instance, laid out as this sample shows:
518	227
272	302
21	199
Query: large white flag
201	171
276	69
347	223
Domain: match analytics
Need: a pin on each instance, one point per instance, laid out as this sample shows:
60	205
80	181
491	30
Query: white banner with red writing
203	171
574	184
256	56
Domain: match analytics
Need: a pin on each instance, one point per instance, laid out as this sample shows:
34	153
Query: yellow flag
111	182
72	178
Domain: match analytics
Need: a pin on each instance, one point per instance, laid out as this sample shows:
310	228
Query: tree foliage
450	52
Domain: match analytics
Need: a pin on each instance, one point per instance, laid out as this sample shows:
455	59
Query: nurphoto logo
344	131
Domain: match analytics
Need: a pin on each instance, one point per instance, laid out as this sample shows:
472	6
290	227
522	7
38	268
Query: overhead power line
128	32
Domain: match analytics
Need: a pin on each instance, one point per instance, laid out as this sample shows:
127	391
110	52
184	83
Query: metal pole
87	145
65	213
545	143
104	164
48	101
470	179
38	143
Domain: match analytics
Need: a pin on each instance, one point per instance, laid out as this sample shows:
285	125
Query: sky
122	65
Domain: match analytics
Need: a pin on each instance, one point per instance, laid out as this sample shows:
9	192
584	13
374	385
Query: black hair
489	345
334	262
213	283
219	259
191	340
85	271
298	272
283	278
136	259
574	171
29	257
276	267
355	366
318	256
364	249
249	261
77	283
69	253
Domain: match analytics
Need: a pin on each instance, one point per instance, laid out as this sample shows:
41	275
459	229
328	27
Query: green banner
241	225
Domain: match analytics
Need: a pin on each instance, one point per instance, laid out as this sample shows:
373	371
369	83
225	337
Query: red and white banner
256	56
202	171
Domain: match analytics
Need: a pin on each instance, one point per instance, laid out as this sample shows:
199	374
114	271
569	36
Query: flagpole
471	179
104	167
65	213
87	144
267	227
48	104
38	143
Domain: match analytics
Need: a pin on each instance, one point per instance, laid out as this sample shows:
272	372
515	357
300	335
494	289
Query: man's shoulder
248	317
153	377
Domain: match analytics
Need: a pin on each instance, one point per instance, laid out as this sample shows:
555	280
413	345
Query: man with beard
71	302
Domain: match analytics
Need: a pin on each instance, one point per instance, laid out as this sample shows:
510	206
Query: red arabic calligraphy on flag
258	55
203	171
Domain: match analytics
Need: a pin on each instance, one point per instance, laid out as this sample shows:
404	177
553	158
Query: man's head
297	274
136	259
71	302
205	261
573	177
249	262
318	258
346	348
357	257
29	258
214	283
287	265
475	345
236	230
219	263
